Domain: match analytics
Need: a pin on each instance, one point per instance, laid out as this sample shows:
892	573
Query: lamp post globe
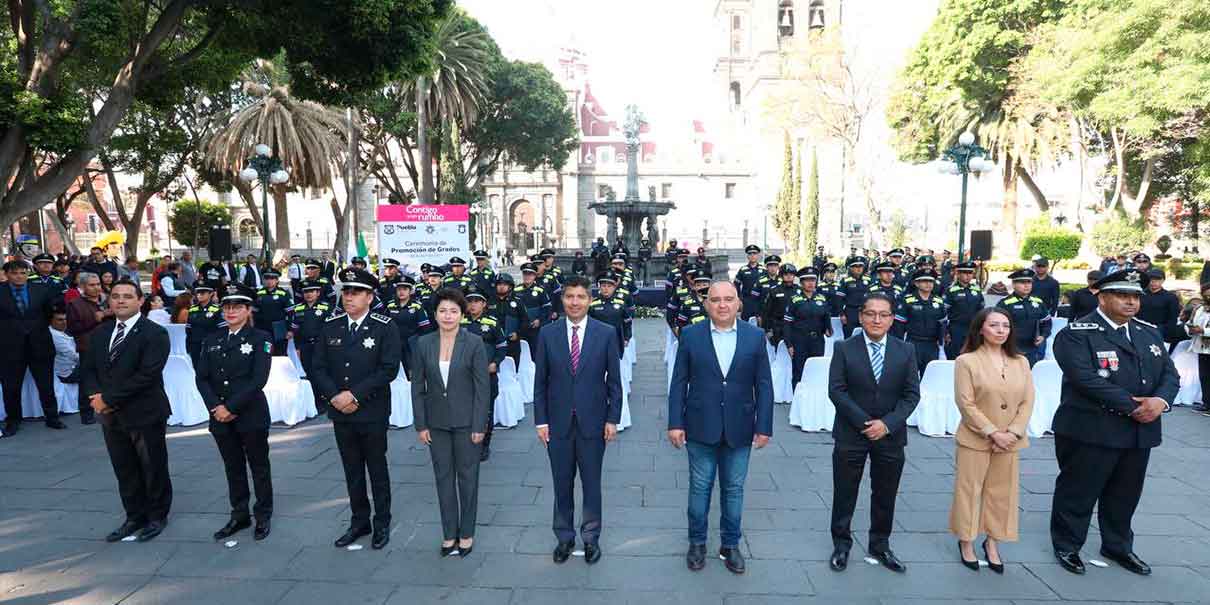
262	150
248	175
966	138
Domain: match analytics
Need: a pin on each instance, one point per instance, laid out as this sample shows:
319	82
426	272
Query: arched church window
785	18
815	15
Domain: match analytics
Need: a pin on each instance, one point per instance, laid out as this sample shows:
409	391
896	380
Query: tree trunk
1032	186
68	237
281	218
1136	205
1008	213
96	204
422	142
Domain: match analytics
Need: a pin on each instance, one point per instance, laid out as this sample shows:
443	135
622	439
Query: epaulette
262	291
909	299
596	302
797	298
1035	299
323	306
537	289
487	320
955	288
386	319
194	308
1084	326
1010	300
299	307
1146	323
335	316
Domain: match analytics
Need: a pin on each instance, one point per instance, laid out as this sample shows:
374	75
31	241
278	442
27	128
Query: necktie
876	360
19	295
575	349
1121	330
118	337
353	328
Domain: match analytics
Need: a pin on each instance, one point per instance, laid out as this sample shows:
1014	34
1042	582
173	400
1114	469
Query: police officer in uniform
852	289
807	322
767	282
777	298
306	322
457	277
537	304
827	286
204	317
482	275
509	313
611	308
550	278
902	273
273	304
818	262
644	260
1117	381
486	327
390	277
232	371
409	316
692	309
44	276
676	291
312	275
919	318
1031	319
885	281
356	359
433	277
962	301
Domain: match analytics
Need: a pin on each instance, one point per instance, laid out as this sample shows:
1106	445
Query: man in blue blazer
720	404
577	407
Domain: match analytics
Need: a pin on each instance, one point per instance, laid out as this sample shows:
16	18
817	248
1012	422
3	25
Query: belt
922	338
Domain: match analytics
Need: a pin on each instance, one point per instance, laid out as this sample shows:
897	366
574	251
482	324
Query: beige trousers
986	495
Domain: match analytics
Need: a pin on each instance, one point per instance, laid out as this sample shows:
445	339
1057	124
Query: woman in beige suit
994	390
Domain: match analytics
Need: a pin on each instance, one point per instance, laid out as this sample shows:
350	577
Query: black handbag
73	378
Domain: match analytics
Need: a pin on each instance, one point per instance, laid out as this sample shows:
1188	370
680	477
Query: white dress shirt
724	341
127	325
66	357
168	283
1114	326
582	324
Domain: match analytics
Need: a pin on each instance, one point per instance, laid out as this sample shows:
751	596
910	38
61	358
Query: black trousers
957	339
491	411
848	464
585	453
1203	375
241	452
139	456
852	321
12	377
804	349
926	351
363	448
456	469
321	405
1091	475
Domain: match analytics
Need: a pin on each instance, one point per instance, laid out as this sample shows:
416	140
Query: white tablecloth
291	399
812	410
937	414
1048	383
180	383
31	403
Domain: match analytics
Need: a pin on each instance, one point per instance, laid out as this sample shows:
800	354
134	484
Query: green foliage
527	117
785	210
811	221
1045	239
897	233
194	218
1120	234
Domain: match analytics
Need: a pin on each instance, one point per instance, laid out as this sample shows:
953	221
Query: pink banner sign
421	213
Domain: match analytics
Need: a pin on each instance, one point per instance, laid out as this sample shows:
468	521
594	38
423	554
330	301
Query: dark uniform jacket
306	322
962	304
918	319
486	328
806	318
614	312
1162	309
1047	289
233	371
1083	302
746	279
484	278
773	308
1101	372
1030	319
853	290
364	363
271	310
202	321
509	313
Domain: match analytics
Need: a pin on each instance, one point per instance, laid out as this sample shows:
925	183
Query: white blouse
445	373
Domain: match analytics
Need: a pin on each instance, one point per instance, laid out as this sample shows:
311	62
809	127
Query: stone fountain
632	211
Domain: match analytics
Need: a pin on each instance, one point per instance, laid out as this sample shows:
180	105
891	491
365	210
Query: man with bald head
720	405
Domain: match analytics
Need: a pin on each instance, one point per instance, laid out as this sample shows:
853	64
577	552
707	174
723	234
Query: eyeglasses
879	316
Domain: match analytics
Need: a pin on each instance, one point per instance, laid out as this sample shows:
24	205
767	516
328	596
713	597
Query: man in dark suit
356	358
577	406
873	383
25	343
720	404
122	374
1117	381
250	273
233	368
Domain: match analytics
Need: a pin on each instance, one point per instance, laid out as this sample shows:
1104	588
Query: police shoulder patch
1083	326
487	320
1146	323
909	299
323	306
194	308
335	316
380	318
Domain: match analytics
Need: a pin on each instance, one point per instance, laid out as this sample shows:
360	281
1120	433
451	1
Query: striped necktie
119	336
876	360
575	349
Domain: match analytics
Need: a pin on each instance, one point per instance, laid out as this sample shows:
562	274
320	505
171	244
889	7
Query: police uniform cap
44	258
504	278
926	259
965	266
435	270
896	252
354	277
294	256
473	292
1141	257
1022	275
528	268
773	259
884	266
752	249
357	259
205	286
546	252
1126	280
310	284
239	293
829	267
406	280
311	262
456	261
692	273
390	262
481	254
607	277
789	268
271	273
856	261
924	275
683	252
1156	273
808	273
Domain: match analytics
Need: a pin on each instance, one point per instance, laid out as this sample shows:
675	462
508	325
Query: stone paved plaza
58	499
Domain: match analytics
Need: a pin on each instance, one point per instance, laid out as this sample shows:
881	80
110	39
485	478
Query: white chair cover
812	410
176	341
509	407
630	356
669	346
625	420
1182	346
292	353
937	414
180	383
627	374
525	372
1191	384
783	375
401	400
1048	384
1056	324
31	403
291	399
837	329
68	396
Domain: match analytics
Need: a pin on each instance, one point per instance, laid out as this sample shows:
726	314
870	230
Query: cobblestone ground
58	499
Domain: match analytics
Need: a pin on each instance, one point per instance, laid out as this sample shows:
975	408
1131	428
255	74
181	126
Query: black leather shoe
592	553
696	557
890	561
11	428
449	550
733	560
840	560
382	535
89	420
562	551
55	423
231	528
1129	561
262	530
128	528
466	552
149	533
1070	561
351	536
485	454
971	565
996	567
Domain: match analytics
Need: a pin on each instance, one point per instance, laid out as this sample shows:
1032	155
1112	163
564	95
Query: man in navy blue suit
720	404
577	407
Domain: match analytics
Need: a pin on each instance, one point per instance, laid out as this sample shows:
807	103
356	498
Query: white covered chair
937	413
631	354
401	400
180	384
1048	384
782	370
291	399
176	340
670	359
627	374
1056	324
31	403
509	406
1186	366
812	410
292	353
525	372
1182	346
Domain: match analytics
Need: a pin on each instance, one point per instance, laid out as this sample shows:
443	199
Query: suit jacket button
1004	406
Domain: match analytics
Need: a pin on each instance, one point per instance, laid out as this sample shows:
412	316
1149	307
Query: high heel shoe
971	565
996	567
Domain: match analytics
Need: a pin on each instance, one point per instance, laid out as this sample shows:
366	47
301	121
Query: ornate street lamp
962	159
268	170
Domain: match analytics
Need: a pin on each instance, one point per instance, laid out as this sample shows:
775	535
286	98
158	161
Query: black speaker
981	245
220	242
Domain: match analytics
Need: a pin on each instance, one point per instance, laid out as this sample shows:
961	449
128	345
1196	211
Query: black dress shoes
1070	561
890	561
971	565
466	552
996	567
1129	561
11	428
696	557
592	553
55	423
231	528
262	530
563	551
839	560
733	560
88	420
149	532
128	528
382	535
449	550
351	536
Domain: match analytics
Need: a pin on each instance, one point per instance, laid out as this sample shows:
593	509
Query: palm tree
308	138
